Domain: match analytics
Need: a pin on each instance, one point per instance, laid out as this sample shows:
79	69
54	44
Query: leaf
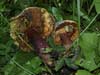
88	43
99	47
47	50
84	15
98	73
34	65
59	64
23	73
83	72
21	57
97	5
97	58
70	64
35	62
2	7
56	12
58	48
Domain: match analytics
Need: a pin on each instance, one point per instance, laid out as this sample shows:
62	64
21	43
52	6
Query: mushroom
65	33
30	29
31	19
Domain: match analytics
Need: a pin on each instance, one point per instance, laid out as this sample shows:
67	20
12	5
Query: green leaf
58	48
84	15
97	5
99	47
83	72
34	65
97	58
23	73
59	64
2	7
21	57
70	64
47	50
88	43
98	73
35	62
56	12
51	42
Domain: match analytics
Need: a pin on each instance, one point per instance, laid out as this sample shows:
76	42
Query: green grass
85	12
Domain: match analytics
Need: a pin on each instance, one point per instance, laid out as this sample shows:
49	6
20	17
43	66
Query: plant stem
74	7
78	11
89	24
85	29
26	70
91	7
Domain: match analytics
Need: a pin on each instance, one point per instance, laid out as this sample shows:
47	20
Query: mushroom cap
32	21
65	33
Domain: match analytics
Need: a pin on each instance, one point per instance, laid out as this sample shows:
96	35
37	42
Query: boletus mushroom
65	33
30	29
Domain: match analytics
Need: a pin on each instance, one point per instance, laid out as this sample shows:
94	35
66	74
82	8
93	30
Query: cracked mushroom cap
65	33
31	22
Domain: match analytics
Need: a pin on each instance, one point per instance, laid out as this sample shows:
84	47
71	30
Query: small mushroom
65	33
30	29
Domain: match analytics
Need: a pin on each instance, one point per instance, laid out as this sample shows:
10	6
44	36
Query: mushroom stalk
40	45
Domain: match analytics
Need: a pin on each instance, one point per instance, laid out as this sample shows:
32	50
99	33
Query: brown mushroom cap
32	21
66	32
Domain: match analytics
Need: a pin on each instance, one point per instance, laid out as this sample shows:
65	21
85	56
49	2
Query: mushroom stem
40	45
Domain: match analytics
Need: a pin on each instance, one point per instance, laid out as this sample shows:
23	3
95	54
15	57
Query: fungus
65	33
30	29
